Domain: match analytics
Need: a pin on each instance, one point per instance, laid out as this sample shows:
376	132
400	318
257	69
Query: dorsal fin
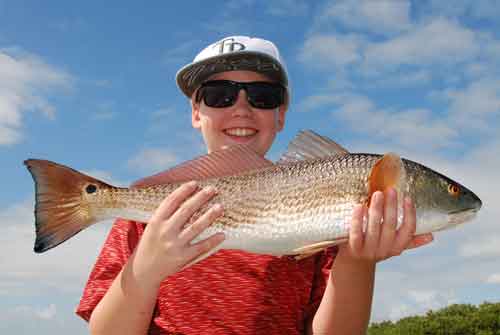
221	163
309	145
387	172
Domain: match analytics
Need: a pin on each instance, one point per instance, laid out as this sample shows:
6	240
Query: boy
239	94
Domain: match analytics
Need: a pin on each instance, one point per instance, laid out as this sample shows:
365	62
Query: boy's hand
165	247
382	240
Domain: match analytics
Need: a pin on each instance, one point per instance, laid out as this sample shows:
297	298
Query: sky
91	85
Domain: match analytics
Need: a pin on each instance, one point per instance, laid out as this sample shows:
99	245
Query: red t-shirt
231	292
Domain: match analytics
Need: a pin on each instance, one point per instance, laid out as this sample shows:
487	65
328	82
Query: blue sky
92	86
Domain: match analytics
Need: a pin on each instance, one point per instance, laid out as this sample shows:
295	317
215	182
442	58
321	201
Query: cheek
268	121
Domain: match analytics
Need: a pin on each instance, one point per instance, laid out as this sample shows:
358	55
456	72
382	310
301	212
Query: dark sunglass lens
219	96
265	96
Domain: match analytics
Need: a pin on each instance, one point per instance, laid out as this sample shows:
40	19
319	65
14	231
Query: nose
242	108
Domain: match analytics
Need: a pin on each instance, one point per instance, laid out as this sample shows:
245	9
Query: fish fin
387	172
311	249
233	160
60	212
309	145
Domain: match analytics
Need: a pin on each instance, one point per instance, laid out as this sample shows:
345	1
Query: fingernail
209	189
217	207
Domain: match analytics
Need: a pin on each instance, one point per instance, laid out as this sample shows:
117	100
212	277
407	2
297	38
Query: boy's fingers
375	213
190	206
197	227
420	240
172	202
204	246
356	229
389	225
407	230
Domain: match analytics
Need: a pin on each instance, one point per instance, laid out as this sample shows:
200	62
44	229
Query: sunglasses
224	93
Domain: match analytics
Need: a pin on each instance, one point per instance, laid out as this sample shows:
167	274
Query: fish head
441	202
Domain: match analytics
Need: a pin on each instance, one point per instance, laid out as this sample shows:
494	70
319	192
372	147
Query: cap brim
192	75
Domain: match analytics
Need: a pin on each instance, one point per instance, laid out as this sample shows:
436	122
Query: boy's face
240	123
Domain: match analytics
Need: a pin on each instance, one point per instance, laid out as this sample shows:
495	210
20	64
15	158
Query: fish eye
91	188
453	190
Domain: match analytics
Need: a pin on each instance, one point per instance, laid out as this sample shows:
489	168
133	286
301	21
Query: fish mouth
460	216
472	210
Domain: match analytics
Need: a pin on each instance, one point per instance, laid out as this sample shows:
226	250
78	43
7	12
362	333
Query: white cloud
402	290
383	16
410	127
47	313
476	105
402	79
313	102
484	9
493	279
40	319
486	246
25	81
153	160
436	49
65	268
439	42
325	51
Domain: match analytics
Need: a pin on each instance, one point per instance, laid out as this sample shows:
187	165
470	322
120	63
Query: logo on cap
229	45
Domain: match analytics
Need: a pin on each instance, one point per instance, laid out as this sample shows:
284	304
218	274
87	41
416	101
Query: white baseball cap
231	54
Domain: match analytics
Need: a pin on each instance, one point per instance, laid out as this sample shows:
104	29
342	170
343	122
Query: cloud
325	51
446	43
64	268
477	105
408	127
425	52
486	246
485	9
402	79
40	319
153	160
383	16
494	279
471	109
25	82
313	102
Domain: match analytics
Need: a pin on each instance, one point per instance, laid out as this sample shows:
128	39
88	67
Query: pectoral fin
387	172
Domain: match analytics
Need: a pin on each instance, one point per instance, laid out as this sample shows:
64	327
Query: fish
297	206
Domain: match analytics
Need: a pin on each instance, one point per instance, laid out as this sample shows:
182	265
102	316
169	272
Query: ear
281	118
195	114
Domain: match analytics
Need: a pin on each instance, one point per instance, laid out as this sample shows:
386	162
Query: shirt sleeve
118	247
324	264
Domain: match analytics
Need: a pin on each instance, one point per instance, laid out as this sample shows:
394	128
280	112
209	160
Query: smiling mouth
240	132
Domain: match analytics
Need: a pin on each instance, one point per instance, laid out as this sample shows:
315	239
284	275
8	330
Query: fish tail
61	206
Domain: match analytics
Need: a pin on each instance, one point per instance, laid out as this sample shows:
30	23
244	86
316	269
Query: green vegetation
452	320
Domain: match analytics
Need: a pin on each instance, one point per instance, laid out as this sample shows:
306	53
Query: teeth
240	131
